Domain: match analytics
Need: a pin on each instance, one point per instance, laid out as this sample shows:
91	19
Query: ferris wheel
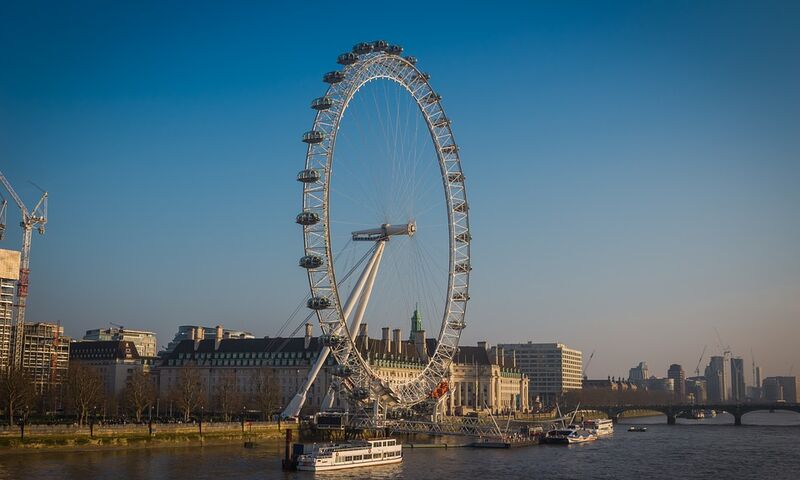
396	176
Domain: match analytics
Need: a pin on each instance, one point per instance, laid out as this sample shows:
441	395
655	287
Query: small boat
600	427
358	453
569	436
637	428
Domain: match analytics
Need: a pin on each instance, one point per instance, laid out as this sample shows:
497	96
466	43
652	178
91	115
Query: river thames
766	447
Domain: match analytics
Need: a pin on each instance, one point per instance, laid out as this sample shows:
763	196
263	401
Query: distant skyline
633	167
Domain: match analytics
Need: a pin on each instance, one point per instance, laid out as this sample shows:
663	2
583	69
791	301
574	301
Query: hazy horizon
633	169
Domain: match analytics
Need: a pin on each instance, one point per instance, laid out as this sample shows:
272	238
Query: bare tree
139	393
190	392
16	392
85	389
266	391
227	394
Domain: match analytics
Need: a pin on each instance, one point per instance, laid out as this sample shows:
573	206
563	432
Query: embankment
63	437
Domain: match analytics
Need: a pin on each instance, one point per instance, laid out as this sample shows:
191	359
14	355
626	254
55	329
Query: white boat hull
341	466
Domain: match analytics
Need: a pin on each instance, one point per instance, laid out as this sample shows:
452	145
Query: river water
768	446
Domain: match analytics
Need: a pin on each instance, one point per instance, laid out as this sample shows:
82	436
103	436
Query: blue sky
633	168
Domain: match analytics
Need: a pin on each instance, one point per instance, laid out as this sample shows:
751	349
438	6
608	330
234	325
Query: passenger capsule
411	60
362	48
394	49
342	371
330	340
425	76
311	261
458	325
313	136
333	77
308	175
380	45
318	303
455	177
460	297
450	148
442	122
360	393
307	218
463	267
464	237
347	58
321	103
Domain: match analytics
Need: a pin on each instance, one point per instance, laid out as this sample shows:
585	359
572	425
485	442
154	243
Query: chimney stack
397	341
217	337
419	343
482	345
387	344
198	336
308	336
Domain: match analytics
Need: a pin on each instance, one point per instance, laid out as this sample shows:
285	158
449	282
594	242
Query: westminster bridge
672	411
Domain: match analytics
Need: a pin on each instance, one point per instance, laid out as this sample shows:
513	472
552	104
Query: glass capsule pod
333	77
460	297
464	237
318	303
313	136
432	97
321	103
455	177
379	45
331	339
308	175
394	49
307	218
453	148
347	58
442	122
360	393
310	261
342	371
411	60
362	47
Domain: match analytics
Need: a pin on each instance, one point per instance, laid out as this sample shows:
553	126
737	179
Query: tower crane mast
697	368
30	219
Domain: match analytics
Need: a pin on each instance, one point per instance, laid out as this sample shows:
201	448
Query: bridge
672	411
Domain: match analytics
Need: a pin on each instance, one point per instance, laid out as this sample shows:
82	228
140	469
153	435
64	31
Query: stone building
115	360
476	377
145	342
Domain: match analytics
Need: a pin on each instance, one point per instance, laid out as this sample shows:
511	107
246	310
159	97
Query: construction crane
724	349
30	219
588	362
697	368
3	207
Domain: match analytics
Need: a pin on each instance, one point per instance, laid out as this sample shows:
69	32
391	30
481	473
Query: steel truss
377	64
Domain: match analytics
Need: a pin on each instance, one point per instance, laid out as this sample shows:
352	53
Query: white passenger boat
600	427
358	453
569	436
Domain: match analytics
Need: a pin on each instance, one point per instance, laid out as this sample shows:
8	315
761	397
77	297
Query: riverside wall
36	437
